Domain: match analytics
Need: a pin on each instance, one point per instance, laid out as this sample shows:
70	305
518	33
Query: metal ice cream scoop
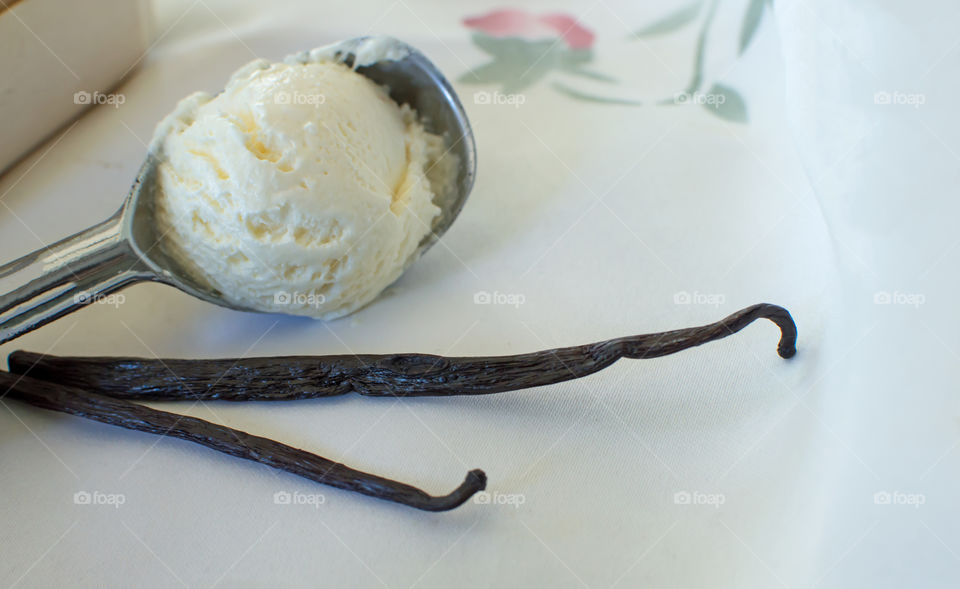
126	248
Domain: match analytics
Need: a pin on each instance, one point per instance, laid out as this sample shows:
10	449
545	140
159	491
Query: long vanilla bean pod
113	411
401	375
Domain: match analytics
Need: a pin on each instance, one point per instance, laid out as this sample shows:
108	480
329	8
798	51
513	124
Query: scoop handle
61	278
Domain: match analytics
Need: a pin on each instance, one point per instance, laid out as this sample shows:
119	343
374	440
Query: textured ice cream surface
301	188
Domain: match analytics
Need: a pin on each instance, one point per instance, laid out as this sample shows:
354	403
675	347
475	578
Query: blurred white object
59	57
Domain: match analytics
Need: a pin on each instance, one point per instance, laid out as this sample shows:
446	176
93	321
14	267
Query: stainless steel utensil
127	247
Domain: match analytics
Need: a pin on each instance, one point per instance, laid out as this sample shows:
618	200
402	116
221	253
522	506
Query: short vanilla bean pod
113	411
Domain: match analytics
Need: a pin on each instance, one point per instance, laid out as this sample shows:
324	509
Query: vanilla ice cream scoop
305	187
301	188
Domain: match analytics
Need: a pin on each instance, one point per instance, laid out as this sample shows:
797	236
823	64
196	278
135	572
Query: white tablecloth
723	466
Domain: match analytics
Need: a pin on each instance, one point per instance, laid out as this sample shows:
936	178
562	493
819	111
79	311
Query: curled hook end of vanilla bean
787	348
475	482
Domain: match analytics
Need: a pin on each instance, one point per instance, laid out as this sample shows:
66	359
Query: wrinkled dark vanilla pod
113	411
401	375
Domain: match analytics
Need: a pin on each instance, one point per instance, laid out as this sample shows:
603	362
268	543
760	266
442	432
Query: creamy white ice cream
301	188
